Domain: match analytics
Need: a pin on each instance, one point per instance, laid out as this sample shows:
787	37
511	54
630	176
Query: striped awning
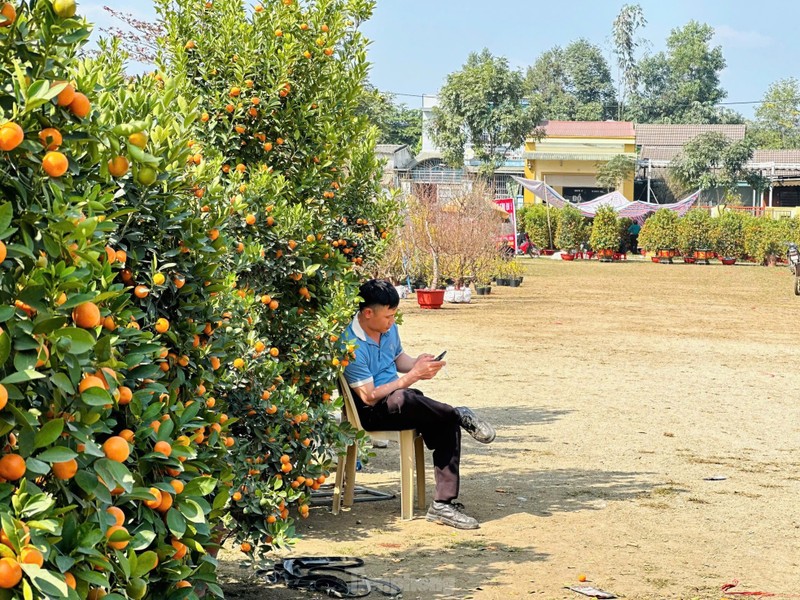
602	157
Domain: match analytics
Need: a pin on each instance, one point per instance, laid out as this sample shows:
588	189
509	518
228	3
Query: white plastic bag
457	296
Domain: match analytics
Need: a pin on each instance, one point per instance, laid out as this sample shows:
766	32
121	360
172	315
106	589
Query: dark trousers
438	424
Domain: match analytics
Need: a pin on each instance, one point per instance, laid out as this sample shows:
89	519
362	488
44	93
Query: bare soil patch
616	390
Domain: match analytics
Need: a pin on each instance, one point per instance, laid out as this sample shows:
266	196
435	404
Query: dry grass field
617	391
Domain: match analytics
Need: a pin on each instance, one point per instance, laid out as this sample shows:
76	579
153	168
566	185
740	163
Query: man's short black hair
378	292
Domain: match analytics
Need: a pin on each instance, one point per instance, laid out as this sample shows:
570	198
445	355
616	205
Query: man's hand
425	367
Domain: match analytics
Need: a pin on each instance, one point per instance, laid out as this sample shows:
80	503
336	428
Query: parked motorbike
793	258
525	246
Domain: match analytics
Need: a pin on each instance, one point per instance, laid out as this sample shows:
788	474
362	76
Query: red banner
507	204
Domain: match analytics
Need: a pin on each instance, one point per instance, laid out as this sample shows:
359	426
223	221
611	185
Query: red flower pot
655	259
548	252
728	261
567	256
430	298
689	260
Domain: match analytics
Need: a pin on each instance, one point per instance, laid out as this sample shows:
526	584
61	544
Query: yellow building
570	154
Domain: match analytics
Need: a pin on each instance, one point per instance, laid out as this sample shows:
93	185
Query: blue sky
416	43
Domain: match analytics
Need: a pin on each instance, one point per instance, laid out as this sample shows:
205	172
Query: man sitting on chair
385	400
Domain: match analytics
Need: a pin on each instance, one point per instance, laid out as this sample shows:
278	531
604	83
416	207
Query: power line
732	103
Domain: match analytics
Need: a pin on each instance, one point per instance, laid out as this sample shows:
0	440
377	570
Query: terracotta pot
567	256
665	253
703	254
655	259
690	260
430	298
548	252
728	261
606	255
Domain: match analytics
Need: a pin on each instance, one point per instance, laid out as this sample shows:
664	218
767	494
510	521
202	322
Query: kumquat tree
179	253
114	311
295	199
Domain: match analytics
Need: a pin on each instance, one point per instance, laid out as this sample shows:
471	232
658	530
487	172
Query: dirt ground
617	390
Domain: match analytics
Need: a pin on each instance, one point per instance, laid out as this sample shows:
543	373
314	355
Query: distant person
633	234
386	401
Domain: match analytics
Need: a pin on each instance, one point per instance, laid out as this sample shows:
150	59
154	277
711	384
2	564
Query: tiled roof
776	156
593	129
659	152
678	135
388	148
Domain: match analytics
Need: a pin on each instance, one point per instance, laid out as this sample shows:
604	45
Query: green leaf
142	539
145	562
18	250
96	396
48	433
5	347
45	581
38	504
82	340
113	474
63	383
57	454
6	312
192	511
22	376
47	325
176	523
37	466
6	214
200	486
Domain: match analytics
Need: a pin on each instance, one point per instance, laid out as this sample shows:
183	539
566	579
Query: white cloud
741	39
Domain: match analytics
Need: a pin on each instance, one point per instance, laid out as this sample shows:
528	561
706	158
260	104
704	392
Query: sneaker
451	513
475	426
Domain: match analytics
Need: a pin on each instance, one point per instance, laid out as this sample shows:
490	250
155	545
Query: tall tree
614	172
682	84
778	116
628	21
484	105
712	160
573	83
396	123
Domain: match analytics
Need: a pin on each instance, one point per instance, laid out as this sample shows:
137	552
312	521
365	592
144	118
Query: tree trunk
434	256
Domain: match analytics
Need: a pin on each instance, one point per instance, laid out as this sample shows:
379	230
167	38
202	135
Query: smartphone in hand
441	356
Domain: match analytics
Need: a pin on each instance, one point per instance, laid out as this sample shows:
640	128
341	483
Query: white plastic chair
411	453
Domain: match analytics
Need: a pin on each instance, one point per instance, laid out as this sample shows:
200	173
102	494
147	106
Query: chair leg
419	453
350	475
337	485
406	474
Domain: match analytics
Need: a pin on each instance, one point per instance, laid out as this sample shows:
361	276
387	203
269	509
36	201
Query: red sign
507	204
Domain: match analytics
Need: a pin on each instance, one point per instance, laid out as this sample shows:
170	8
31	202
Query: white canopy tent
636	210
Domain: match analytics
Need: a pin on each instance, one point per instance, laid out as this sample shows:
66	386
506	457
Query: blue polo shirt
374	362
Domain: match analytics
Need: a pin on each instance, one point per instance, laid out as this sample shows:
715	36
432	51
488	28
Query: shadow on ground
446	575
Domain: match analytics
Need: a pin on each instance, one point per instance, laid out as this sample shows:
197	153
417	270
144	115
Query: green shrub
540	222
605	230
572	229
765	238
728	233
694	231
660	231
